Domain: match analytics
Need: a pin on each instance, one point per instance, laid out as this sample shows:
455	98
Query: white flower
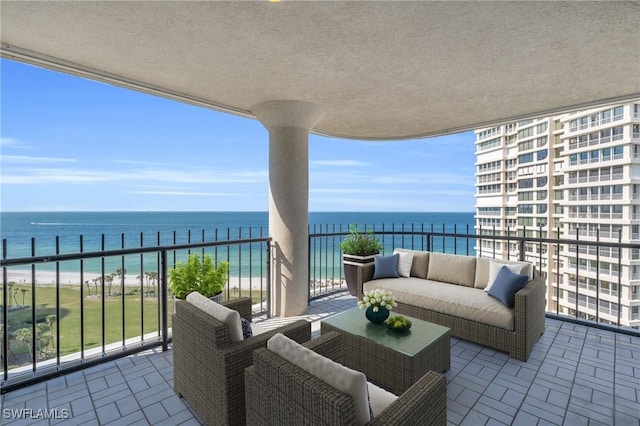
377	298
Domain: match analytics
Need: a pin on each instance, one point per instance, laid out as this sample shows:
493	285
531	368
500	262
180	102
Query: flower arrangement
377	299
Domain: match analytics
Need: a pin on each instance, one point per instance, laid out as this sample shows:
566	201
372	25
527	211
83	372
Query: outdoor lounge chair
208	367
279	392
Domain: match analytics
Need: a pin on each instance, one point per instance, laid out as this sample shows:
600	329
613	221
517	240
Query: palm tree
51	319
96	280
24	291
10	286
109	280
26	337
151	280
88	287
43	340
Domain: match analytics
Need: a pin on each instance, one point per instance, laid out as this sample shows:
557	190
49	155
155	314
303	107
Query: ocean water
48	233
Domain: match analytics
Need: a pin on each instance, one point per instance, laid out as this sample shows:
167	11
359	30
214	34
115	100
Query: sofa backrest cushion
419	264
483	276
451	268
219	312
351	382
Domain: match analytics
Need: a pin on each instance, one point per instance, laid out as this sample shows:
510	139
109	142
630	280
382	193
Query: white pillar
289	123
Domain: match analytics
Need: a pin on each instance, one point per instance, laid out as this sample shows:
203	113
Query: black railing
93	315
584	281
581	287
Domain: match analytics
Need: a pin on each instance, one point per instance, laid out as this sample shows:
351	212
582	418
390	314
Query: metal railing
137	313
68	311
559	259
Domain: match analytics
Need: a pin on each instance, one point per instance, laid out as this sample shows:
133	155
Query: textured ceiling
379	70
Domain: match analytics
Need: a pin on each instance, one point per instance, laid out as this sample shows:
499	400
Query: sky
72	144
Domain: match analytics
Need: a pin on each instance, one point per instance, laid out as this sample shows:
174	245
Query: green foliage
360	243
198	275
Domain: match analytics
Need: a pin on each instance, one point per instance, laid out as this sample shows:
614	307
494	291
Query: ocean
133	229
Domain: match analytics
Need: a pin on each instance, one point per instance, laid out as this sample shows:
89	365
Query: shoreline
73	278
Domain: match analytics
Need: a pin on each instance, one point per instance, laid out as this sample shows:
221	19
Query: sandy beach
73	278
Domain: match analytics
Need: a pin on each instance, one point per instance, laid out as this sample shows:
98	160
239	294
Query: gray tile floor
576	375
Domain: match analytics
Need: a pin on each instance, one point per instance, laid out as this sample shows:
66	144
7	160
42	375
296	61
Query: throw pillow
385	266
405	260
495	267
506	285
351	382
247	331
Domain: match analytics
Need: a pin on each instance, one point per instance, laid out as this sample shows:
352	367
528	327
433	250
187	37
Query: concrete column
289	123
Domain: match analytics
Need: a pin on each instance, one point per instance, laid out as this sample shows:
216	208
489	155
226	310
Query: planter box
351	264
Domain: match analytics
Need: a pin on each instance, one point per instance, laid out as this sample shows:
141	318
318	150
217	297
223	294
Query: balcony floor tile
576	375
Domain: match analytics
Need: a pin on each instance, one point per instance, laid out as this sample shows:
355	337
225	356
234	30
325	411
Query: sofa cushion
247	331
419	264
450	268
506	285
379	399
495	267
460	301
405	260
482	270
219	312
351	382
385	266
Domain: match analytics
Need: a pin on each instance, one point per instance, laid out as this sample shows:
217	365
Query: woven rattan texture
208	369
281	393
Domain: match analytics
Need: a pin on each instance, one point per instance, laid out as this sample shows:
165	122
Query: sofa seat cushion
460	301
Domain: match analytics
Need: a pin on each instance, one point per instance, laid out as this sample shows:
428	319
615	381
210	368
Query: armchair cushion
379	399
219	312
351	382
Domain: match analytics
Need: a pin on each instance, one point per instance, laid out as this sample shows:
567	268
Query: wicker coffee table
392	360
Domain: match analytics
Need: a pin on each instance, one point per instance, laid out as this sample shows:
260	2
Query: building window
542	154
525	158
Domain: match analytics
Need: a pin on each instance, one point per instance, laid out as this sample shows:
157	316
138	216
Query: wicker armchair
281	393
208	369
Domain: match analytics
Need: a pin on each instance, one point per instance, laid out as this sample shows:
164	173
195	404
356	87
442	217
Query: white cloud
32	176
185	193
11	143
27	159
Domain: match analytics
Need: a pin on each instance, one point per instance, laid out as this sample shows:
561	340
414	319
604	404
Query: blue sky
71	144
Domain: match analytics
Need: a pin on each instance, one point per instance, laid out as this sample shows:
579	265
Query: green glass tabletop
420	335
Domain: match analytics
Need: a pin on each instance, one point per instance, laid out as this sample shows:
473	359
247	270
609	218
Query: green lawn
70	313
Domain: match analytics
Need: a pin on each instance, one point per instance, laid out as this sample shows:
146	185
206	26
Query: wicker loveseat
448	290
208	368
279	392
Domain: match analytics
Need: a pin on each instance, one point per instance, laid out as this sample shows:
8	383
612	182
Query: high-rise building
571	176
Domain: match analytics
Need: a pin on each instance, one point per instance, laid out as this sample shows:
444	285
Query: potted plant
358	249
198	275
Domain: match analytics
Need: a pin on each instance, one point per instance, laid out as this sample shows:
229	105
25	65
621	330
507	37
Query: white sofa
449	290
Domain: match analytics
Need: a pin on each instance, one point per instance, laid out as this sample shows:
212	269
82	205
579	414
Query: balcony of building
582	370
